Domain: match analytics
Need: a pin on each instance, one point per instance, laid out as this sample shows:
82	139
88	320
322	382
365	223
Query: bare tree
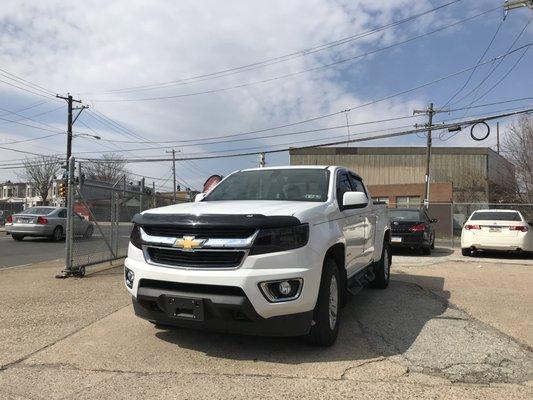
40	172
472	189
518	149
110	168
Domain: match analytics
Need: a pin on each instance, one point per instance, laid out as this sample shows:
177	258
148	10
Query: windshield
404	215
38	210
274	184
495	216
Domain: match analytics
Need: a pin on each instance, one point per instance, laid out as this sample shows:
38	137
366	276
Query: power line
384	136
502	78
478	62
25	82
203	140
316	68
386	97
493	67
33	139
29	117
274	60
29	125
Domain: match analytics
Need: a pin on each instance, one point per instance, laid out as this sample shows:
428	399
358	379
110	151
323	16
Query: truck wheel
382	268
426	251
465	252
326	318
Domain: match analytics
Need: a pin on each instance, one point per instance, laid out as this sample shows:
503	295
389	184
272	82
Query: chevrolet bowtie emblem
189	243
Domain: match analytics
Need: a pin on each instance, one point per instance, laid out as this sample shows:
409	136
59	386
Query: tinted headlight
135	237
280	239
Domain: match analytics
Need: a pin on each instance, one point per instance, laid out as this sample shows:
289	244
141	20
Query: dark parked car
412	228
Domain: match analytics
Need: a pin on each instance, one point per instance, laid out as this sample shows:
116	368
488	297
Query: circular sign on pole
211	182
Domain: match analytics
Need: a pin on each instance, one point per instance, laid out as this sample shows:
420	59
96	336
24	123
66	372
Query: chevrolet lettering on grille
189	243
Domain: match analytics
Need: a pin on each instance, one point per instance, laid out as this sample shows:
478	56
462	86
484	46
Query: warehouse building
396	175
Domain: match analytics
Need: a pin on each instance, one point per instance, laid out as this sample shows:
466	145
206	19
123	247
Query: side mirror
199	197
434	220
354	200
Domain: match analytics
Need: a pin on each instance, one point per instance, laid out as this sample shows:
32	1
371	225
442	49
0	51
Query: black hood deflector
257	221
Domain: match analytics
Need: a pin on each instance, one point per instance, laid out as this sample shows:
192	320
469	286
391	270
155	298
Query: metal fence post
70	214
451	225
141	197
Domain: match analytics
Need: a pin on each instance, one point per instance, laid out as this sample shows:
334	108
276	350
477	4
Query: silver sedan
50	222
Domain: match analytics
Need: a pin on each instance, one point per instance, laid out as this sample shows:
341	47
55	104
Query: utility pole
430	111
70	121
498	137
173	151
262	161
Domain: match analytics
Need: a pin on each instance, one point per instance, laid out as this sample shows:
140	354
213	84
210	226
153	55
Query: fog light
129	276
281	290
284	288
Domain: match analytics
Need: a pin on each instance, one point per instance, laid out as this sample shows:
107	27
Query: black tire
433	243
57	234
465	252
88	232
18	238
426	250
326	314
382	268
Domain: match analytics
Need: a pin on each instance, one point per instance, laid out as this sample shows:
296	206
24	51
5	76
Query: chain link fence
99	219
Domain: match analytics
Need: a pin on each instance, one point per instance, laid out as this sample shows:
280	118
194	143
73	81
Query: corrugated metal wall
381	169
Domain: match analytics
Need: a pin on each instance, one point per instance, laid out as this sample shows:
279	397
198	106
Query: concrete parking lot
447	327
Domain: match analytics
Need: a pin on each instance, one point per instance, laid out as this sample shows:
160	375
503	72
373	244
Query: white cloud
93	46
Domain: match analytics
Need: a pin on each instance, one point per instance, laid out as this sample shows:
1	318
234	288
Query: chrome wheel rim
333	302
386	265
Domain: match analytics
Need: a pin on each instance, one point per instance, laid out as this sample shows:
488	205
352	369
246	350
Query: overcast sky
133	61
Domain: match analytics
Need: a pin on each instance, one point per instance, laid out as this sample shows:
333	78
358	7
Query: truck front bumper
303	263
214	309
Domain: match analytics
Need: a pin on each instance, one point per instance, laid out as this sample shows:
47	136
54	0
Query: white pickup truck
269	251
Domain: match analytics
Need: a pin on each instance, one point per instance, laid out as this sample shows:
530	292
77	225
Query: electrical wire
465	84
502	78
206	141
274	60
388	96
313	69
25	82
31	116
384	136
493	68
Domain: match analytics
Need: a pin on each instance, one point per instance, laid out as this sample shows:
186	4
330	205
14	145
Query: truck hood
264	207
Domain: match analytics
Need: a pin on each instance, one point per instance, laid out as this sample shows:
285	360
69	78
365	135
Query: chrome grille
195	259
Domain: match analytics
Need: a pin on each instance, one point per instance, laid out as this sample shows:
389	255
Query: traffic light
63	189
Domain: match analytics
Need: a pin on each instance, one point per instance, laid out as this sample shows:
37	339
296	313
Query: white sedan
503	230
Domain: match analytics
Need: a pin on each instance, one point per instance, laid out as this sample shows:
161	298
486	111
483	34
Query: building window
408	201
382	200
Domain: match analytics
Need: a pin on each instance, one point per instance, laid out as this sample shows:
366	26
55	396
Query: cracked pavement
64	339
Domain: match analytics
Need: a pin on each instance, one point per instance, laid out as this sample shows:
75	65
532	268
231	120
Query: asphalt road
33	250
79	338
